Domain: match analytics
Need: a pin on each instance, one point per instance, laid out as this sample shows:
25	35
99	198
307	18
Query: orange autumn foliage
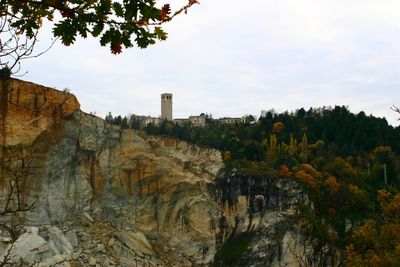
377	243
284	171
307	179
311	170
278	127
332	185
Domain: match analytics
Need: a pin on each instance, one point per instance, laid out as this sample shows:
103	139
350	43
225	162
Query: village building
229	120
198	120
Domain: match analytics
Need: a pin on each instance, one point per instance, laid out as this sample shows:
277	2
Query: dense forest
348	164
343	132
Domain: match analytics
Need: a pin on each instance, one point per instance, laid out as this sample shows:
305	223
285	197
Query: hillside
77	191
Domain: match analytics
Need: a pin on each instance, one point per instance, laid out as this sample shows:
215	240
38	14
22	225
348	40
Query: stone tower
166	106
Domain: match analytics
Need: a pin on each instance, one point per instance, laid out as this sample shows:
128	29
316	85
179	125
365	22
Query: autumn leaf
116	49
143	22
165	11
160	33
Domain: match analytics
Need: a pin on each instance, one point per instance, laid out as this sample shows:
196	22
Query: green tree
253	150
384	164
109	118
124	123
135	123
249	119
341	169
117	120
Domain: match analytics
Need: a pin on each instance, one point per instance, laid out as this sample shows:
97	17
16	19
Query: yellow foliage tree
272	147
304	148
332	185
292	146
377	242
227	155
311	170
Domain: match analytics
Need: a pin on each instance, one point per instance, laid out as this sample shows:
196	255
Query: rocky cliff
93	194
150	194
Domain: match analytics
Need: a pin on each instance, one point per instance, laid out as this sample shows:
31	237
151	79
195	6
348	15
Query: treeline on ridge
343	132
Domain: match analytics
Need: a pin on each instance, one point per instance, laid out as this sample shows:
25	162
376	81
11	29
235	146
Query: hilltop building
229	120
144	120
166	114
181	121
198	120
166	106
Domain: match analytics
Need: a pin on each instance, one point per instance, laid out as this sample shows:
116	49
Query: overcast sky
235	57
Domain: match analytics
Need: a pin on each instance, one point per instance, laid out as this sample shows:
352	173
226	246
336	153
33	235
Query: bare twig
7	257
395	109
17	166
300	256
15	47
